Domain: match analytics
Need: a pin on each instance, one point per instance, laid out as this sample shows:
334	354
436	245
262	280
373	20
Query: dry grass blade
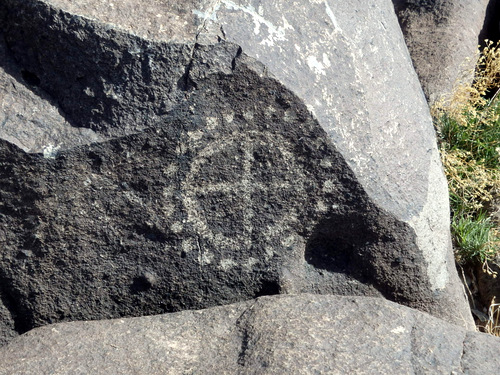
493	324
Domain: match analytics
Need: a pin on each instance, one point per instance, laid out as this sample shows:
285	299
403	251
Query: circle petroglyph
242	187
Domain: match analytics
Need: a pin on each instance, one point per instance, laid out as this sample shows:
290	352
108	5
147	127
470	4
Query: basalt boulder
304	334
442	37
207	152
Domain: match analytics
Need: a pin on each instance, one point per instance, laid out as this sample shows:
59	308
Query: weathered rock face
29	118
442	37
239	150
272	335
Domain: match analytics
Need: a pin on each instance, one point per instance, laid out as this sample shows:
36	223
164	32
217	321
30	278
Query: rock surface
238	150
28	116
306	334
442	37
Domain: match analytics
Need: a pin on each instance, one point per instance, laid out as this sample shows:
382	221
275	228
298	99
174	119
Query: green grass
468	128
472	237
480	138
470	154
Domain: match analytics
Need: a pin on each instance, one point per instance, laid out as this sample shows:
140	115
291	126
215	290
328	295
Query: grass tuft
468	128
473	237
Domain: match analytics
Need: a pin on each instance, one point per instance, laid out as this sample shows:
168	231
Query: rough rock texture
28	116
305	334
442	37
240	149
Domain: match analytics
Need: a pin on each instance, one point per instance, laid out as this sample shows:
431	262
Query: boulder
306	334
29	117
442	37
207	152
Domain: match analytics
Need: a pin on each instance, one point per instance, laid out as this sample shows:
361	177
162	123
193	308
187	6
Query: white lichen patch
290	116
221	241
326	61
327	97
188	245
311	109
269	111
325	163
168	192
227	264
329	186
288	241
213	122
398	330
135	50
181	148
170	171
109	91
316	66
195	135
176	227
269	253
321	206
205	258
168	209
248	115
50	151
89	92
250	263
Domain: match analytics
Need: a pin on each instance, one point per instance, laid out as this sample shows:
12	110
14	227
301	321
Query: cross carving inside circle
250	170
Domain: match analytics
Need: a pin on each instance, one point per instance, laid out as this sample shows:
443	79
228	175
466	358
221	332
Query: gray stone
306	334
442	37
243	150
7	324
28	117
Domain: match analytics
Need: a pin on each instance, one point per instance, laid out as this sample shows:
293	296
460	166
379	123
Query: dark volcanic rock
212	211
28	116
442	37
304	334
235	158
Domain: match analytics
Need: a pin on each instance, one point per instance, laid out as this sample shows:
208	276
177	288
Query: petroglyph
204	184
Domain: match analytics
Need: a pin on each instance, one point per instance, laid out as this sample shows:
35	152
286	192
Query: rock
7	324
240	151
28	117
271	335
442	37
